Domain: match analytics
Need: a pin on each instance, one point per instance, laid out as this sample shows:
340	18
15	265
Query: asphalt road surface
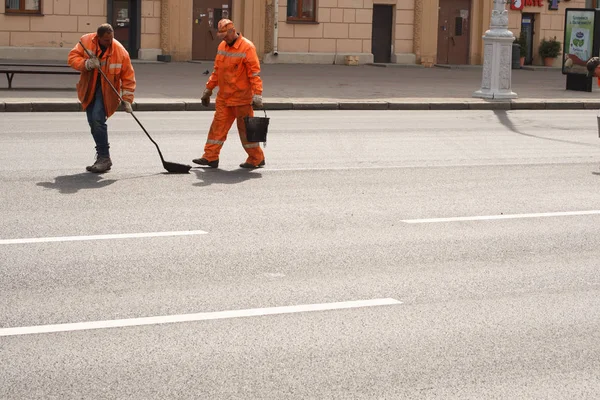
379	255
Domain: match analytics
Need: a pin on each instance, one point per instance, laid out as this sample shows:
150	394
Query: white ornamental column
497	57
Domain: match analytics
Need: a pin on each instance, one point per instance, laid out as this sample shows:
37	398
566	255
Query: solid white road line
253	312
494	217
426	164
408	166
101	237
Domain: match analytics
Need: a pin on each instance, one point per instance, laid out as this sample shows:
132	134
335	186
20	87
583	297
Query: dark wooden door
527	25
381	42
206	16
454	25
125	18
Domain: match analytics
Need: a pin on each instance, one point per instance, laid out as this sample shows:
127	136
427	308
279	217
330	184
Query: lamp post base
488	94
497	64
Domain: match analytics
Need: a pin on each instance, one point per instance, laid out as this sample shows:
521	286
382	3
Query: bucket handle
264	110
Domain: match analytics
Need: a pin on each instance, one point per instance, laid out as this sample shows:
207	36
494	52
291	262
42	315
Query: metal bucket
256	128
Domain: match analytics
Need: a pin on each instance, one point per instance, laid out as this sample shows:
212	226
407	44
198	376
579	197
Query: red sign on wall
519	4
533	3
516	4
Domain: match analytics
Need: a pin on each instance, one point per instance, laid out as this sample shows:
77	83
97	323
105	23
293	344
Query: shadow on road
505	120
209	176
69	184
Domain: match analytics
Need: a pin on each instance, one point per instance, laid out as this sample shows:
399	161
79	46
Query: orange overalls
237	73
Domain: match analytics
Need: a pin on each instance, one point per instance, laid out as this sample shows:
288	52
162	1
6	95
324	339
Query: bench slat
10	73
17	71
35	65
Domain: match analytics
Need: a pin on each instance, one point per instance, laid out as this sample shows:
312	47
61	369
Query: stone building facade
180	29
424	32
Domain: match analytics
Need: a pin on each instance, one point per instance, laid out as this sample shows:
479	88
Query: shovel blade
175	168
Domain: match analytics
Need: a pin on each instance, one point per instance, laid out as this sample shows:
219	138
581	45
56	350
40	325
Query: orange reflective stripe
228	54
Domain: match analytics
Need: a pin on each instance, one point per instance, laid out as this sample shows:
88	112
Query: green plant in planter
522	41
549	48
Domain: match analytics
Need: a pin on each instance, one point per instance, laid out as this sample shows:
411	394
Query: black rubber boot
204	161
248	165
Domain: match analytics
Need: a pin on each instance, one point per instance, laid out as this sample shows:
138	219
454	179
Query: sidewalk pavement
178	86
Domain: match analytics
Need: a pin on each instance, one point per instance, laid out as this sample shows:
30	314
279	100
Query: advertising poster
579	39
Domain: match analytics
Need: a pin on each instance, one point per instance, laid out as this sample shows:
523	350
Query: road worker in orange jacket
96	96
237	74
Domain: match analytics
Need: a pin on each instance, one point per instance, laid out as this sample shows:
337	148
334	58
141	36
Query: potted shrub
549	50
522	41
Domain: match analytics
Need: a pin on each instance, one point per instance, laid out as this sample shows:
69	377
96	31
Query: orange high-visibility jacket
115	63
236	72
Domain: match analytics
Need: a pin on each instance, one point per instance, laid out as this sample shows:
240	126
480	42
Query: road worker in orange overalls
95	94
237	73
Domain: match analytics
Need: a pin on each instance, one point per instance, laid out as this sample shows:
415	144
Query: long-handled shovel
169	166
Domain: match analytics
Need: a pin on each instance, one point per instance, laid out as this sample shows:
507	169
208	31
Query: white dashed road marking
495	217
100	237
168	319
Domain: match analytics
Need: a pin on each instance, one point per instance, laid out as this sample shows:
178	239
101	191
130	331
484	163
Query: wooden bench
42	69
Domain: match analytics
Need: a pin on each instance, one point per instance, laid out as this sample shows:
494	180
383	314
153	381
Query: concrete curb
48	105
18	106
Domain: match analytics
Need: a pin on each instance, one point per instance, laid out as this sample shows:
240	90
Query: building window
23	6
301	10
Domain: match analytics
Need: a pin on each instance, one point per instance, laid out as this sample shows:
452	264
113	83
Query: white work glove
128	108
206	97
92	63
257	101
